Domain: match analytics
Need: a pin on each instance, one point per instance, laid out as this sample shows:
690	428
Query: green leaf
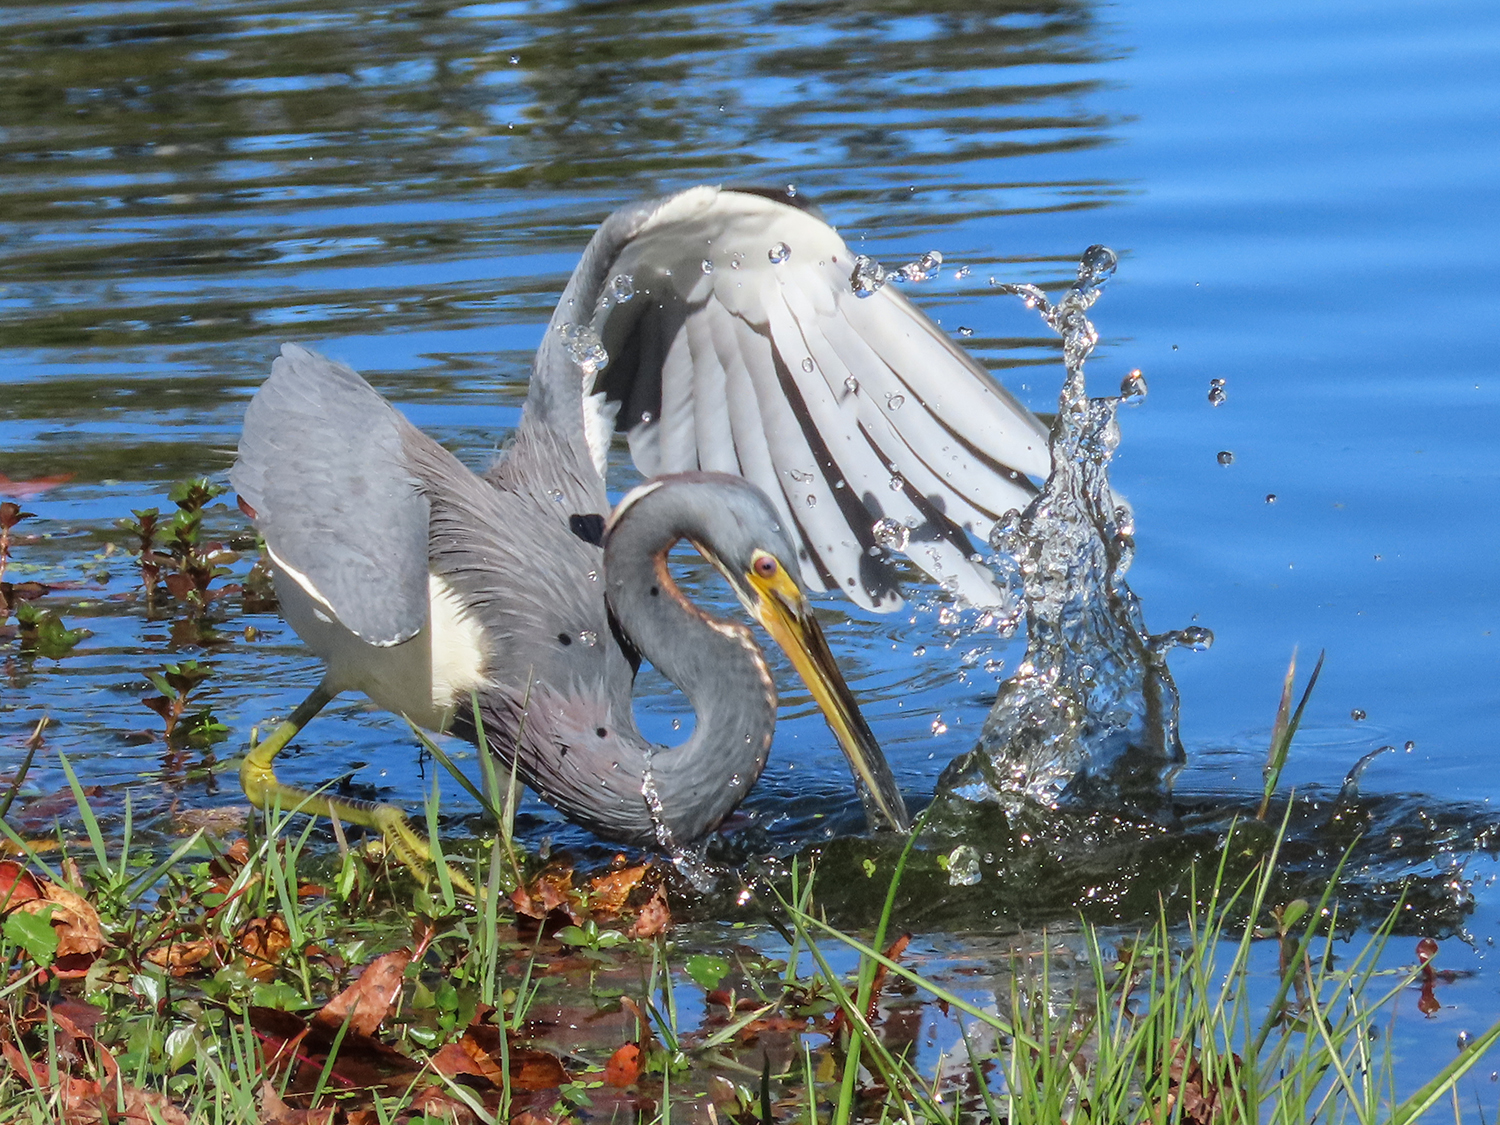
707	969
572	935
33	933
869	866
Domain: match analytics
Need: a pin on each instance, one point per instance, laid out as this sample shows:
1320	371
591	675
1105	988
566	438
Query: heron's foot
264	790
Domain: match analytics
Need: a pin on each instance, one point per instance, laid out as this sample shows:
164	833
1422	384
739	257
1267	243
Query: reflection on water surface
407	187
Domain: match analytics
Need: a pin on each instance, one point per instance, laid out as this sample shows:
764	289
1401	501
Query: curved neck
715	663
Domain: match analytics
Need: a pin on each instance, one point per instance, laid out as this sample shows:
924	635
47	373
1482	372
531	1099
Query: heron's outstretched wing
737	343
321	467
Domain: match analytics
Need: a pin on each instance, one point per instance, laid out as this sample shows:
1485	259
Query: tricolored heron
781	415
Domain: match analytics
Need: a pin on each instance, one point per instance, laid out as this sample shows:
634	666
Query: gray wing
322	468
843	409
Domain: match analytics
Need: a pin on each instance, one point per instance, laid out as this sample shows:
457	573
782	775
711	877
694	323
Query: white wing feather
779	371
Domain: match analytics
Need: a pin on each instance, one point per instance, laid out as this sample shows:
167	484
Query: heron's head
734	526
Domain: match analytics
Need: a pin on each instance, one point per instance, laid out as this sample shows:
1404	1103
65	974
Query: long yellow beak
779	606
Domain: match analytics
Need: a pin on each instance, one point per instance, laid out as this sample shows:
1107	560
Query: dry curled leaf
552	890
275	1111
367	1001
181	957
608	892
262	941
654	917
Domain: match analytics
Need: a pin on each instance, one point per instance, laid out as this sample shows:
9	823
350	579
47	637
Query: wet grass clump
264	978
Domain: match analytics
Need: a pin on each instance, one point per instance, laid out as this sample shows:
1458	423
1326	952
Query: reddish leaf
26	489
624	1066
893	953
17	885
367	1001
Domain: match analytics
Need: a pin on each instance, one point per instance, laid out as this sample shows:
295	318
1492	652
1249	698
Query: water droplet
963	866
891	534
1409	747
799	476
851	384
791	191
708	266
1097	266
621	288
868	276
939	727
808	365
960	273
779	253
593	576
584	348
812	501
1270	498
589	637
1464	1039
896	484
965	332
924	268
1216	394
895	401
1226	457
1196	637
920	650
994	667
647	416
676	724
1357	715
555	495
1133	386
515	60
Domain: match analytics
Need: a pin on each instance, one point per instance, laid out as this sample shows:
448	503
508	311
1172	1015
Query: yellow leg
258	780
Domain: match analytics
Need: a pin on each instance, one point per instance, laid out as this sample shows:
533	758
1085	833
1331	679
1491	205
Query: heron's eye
765	566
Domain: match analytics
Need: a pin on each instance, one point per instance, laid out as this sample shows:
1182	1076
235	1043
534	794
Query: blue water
1303	197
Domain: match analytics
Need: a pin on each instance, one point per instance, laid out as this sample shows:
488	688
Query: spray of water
1092	707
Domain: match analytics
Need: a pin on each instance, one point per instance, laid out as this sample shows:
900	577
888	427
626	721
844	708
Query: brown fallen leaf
367	1001
181	957
552	890
624	1066
608	892
262	941
653	918
275	1111
84	1101
531	1069
74	920
1203	1097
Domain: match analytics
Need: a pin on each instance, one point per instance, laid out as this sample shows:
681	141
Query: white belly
424	678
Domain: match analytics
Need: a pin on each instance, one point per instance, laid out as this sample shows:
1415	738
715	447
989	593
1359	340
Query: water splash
584	348
1092	706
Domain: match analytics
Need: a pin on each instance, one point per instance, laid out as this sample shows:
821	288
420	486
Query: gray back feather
317	429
